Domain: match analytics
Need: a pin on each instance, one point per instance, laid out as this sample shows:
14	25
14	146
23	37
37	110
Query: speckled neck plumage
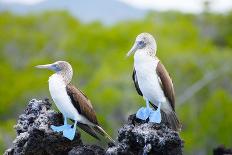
150	51
67	74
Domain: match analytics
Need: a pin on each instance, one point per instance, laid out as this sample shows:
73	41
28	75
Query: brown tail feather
171	119
103	133
88	130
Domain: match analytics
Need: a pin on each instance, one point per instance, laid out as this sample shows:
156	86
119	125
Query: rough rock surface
222	150
140	137
34	136
87	150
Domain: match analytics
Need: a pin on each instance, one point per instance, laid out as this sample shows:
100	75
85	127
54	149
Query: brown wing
166	83
134	77
81	103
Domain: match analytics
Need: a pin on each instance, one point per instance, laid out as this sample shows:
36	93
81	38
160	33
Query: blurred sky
193	6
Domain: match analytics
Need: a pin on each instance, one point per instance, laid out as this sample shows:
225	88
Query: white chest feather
148	80
59	94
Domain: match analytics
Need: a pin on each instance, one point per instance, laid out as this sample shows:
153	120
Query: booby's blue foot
143	113
155	116
70	133
60	128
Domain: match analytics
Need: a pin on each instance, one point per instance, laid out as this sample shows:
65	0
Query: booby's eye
141	44
56	67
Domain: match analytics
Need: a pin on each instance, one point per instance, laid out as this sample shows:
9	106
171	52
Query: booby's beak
47	66
133	49
137	45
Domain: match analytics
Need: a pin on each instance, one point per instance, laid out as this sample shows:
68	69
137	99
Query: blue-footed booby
153	82
71	102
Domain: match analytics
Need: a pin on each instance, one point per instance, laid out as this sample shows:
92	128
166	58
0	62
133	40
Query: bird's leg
62	127
148	106
66	125
70	132
143	113
155	116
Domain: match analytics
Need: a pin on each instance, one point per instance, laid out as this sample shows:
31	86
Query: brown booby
71	102
153	82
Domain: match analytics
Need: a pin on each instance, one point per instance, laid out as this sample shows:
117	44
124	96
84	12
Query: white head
62	68
144	41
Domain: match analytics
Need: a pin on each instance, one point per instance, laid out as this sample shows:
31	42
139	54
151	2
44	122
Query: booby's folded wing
166	83
85	108
134	77
82	103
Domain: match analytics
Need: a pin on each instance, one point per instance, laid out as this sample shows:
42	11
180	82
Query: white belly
59	95
148	80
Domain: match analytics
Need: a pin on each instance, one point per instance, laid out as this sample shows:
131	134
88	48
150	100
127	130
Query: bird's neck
144	56
65	76
151	49
56	81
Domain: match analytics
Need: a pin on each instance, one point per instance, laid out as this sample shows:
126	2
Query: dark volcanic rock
87	150
222	150
34	136
140	137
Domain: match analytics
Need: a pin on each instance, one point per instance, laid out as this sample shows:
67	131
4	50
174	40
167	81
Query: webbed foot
143	113
60	128
70	132
155	116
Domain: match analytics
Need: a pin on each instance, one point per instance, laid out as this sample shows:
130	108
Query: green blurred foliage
189	46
